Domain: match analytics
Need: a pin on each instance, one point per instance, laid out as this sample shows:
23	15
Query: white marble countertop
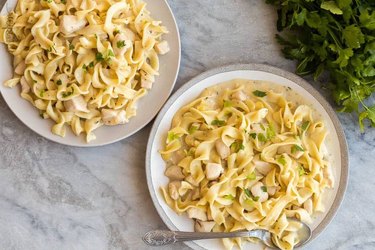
59	197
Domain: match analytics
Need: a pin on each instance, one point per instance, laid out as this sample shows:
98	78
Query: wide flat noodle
246	159
83	63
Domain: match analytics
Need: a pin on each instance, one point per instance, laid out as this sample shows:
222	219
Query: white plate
155	165
148	106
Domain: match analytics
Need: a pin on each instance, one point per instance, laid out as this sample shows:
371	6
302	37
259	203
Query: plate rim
344	153
146	121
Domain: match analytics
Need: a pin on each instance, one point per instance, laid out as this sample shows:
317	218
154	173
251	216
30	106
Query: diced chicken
222	149
263	167
145	83
174	173
177	157
71	23
213	170
189	140
20	68
76	104
257	191
162	48
239	95
24	85
173	189
308	206
203	226
121	43
113	117
196	213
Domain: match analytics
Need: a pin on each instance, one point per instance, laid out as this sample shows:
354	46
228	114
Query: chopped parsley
121	44
305	125
192	129
116	32
59	82
248	194
42	93
63	1
301	171
227	104
229	197
71	46
262	138
251	176
84	67
99	57
66	94
264	188
172	136
259	93
270	132
296	148
281	160
253	135
237	146
91	65
218	123
107	57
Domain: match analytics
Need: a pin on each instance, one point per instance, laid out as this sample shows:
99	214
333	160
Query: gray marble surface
58	197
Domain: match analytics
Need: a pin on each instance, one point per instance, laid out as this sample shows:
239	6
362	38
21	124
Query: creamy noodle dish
83	63
247	155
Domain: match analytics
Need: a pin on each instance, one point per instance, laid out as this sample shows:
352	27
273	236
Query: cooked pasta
241	156
83	63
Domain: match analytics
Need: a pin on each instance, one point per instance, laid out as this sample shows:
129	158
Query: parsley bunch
337	36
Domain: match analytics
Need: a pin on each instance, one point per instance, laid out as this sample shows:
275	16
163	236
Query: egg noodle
241	158
83	63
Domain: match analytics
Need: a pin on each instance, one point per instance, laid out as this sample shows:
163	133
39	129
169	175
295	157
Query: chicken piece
162	48
173	189
71	23
121	43
174	173
263	167
24	85
113	117
257	191
222	149
76	104
197	213
203	226
20	68
213	170
308	206
239	95
146	83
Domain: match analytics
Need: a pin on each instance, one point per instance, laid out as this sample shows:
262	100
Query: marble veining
58	197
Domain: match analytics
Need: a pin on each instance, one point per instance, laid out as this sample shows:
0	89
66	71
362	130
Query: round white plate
148	106
155	165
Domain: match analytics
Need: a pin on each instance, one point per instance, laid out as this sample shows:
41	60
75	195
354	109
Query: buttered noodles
83	63
242	156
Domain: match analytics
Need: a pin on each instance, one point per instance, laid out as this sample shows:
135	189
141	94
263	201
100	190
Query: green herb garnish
227	104
305	125
253	135
63	1
121	44
256	198
91	65
66	94
99	57
259	93
237	146
192	129
296	148
248	193
71	46
281	160
218	123
84	67
270	132
110	53
262	138
301	171
172	136
116	32
229	197
59	82
251	176
336	37
264	188
42	93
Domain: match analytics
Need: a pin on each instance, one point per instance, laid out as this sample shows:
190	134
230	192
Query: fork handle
164	237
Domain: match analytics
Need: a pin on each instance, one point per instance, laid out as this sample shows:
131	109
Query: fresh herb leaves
337	37
259	93
218	123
